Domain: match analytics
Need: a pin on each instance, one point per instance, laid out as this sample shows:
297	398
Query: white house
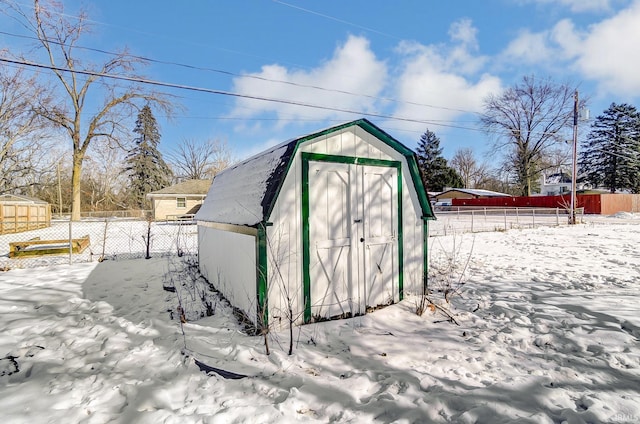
322	226
555	184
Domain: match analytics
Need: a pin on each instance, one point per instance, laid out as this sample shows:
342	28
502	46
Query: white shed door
380	210
352	238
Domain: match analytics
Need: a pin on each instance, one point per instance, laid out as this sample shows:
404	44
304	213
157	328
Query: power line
223	93
337	20
254	77
247	96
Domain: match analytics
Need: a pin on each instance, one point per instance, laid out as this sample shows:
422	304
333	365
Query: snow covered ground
549	332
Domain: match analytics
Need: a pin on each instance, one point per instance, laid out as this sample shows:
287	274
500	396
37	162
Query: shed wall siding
353	141
413	240
228	261
284	252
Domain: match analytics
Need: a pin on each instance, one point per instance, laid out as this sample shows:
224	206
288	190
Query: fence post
505	219
557	216
472	220
70	241
517	218
533	217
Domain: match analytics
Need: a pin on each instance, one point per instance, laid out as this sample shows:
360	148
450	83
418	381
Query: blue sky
402	62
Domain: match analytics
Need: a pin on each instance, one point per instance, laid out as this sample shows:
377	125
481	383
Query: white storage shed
323	226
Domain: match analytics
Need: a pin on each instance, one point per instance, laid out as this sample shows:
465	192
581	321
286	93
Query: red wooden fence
605	204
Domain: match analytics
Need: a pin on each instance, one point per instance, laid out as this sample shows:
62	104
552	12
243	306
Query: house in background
328	225
179	201
23	213
555	184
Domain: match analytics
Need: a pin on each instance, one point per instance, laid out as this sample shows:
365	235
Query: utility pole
574	174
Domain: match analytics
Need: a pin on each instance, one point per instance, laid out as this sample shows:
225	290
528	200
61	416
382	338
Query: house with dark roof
179	201
328	225
555	184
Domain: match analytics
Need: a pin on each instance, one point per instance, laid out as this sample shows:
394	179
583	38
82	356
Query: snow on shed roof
245	193
237	195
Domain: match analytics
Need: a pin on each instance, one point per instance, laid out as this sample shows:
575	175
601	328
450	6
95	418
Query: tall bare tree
197	160
104	185
21	129
525	120
83	84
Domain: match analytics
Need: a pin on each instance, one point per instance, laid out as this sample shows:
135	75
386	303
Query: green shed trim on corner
425	272
306	251
261	276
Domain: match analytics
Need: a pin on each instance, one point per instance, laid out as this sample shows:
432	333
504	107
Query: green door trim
306	251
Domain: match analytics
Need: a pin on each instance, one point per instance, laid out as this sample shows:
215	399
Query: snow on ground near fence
495	219
549	332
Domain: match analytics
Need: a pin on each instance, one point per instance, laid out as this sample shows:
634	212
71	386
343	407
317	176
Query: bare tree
104	184
84	84
473	174
526	119
21	135
557	158
196	160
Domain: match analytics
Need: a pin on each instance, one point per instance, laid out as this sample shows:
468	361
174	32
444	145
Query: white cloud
606	52
529	48
609	53
464	32
353	68
579	5
440	83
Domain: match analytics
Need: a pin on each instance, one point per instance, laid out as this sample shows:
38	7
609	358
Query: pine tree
146	168
610	156
436	172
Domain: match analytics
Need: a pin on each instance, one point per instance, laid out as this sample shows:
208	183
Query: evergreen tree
436	172
610	156
146	167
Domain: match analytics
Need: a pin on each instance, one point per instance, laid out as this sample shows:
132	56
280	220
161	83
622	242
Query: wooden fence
16	217
604	204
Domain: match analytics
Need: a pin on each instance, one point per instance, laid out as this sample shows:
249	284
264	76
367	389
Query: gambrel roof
245	193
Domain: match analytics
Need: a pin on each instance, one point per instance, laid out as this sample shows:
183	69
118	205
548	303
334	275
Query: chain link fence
96	239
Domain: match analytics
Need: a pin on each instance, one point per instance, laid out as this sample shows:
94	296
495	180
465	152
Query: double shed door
353	238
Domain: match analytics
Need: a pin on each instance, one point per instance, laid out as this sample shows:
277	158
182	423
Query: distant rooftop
19	198
185	187
478	192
